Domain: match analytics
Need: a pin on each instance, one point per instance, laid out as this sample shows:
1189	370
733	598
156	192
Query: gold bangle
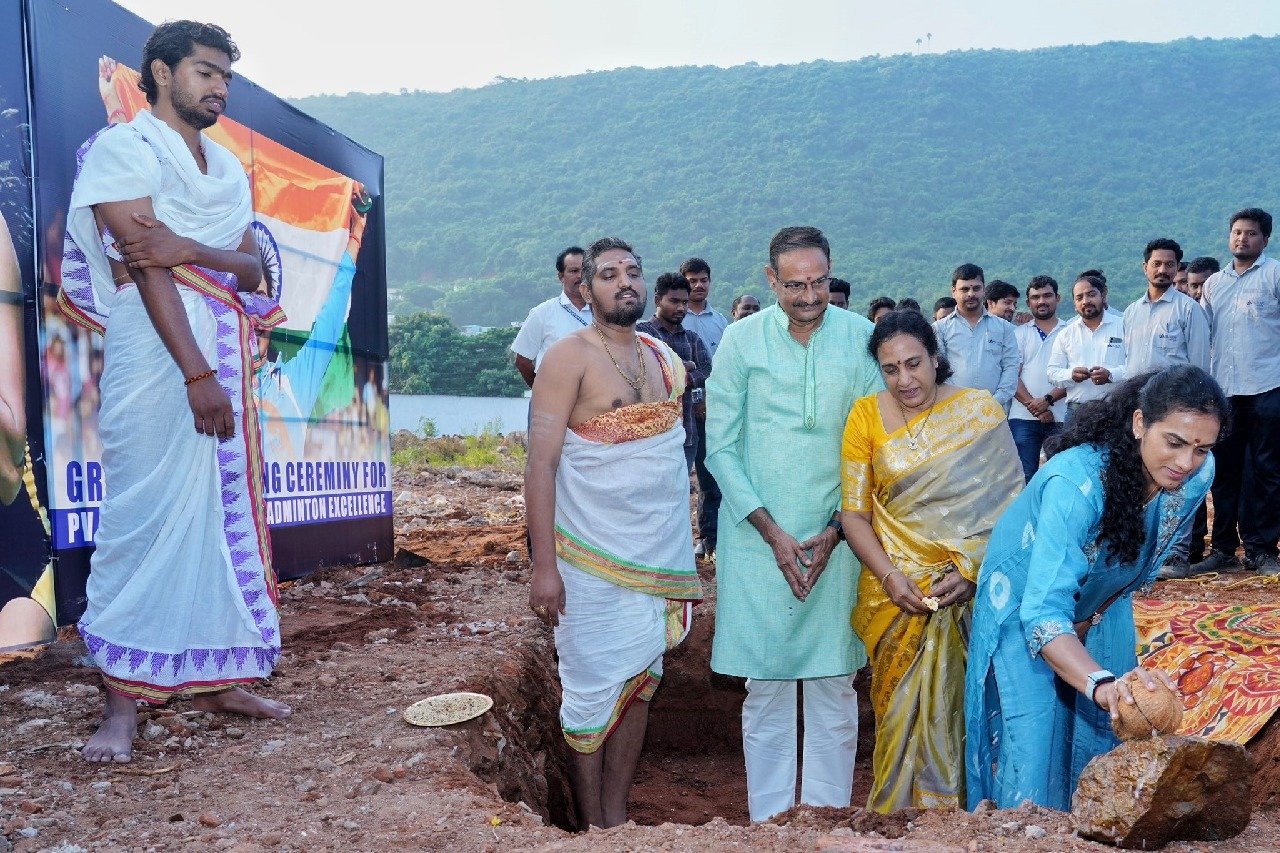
889	575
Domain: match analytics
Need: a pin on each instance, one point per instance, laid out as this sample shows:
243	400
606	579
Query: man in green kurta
784	382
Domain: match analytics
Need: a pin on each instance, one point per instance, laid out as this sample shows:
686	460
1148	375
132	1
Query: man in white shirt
1088	356
549	321
708	324
1038	408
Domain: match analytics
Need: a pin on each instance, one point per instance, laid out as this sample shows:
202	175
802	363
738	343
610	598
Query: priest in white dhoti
607	491
159	258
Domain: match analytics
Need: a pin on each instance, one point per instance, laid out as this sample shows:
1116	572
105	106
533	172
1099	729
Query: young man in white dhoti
786	582
159	257
607	492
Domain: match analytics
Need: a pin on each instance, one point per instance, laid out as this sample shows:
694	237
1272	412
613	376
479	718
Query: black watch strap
1106	679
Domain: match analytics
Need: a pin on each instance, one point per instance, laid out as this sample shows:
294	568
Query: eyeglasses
817	285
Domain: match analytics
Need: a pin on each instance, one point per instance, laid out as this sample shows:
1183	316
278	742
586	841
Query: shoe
699	550
1177	570
1219	562
1267	565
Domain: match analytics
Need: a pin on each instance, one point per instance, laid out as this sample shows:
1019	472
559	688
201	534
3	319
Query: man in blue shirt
981	347
1243	306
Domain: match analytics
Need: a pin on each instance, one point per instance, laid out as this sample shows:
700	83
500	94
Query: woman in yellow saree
927	470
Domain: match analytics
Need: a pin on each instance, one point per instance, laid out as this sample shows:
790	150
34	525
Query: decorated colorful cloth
1225	660
934	489
181	592
624	547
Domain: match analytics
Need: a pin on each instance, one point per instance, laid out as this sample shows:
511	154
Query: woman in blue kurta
1053	616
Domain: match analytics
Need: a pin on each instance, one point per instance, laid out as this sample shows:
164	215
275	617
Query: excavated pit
691	769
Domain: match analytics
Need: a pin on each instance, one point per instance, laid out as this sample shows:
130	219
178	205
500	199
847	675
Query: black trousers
708	492
1199	530
1246	487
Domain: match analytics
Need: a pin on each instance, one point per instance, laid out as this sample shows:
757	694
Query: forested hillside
1045	161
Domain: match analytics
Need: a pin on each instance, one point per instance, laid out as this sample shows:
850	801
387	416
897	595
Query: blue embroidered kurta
1029	733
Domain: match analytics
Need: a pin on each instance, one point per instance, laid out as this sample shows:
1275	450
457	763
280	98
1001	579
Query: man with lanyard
1038	410
549	321
980	346
670	301
181	591
1243	305
708	324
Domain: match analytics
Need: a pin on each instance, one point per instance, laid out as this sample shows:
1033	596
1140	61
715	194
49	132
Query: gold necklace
912	439
637	383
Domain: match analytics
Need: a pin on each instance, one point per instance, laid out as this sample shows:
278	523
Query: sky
295	48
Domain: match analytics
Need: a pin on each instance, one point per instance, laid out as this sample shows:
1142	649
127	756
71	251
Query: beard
624	315
189	111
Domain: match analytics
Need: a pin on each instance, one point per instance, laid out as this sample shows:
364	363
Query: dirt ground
345	772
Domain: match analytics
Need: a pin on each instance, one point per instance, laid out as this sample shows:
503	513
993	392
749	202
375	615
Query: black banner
27	608
318	202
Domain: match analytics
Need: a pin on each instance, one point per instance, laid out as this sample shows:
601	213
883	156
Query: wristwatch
1094	680
835	525
1048	399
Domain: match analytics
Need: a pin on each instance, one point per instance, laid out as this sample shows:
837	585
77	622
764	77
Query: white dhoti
181	593
624	547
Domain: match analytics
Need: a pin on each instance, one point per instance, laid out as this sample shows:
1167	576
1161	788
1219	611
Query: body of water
459	415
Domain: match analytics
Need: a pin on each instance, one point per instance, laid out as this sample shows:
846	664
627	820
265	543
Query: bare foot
240	701
113	741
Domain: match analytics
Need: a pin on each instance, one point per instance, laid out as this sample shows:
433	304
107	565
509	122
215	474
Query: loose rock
32	725
1146	793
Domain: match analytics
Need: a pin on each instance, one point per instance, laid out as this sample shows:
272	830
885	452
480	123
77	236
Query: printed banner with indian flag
322	409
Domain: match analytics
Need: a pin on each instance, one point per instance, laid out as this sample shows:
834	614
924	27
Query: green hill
1044	161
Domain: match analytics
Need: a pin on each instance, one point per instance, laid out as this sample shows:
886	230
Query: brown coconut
1154	712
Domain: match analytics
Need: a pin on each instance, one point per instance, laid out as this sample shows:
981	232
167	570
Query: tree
429	355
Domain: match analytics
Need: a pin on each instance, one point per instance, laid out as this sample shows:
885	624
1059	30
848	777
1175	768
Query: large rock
1146	793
